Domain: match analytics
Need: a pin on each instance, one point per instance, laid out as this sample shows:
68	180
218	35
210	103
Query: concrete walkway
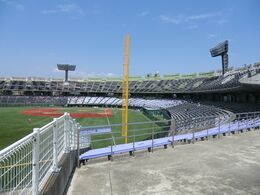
229	165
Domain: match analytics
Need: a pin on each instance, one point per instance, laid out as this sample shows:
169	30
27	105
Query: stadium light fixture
66	68
221	49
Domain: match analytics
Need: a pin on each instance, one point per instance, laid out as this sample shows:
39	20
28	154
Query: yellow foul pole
125	89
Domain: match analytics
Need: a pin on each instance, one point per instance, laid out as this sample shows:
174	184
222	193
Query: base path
229	165
57	112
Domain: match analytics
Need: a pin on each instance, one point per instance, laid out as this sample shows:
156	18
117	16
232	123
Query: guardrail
151	135
139	131
26	165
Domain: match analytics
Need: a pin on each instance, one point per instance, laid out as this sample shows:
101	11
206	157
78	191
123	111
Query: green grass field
14	125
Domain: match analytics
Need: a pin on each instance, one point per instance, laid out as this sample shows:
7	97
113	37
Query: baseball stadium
192	133
162	110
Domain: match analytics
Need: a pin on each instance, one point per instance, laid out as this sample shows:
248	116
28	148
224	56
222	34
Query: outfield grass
116	138
14	125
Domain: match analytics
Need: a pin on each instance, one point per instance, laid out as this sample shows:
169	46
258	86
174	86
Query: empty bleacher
202	82
32	100
188	114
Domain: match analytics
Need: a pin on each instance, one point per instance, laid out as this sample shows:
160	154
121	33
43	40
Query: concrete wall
58	182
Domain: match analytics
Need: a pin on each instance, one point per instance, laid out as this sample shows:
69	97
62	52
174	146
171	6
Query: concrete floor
229	165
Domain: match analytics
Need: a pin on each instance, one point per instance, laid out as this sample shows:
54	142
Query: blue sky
166	36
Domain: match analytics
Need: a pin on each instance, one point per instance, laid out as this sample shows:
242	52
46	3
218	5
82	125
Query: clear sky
166	36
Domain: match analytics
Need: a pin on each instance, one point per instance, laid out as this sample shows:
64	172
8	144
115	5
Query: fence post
247	118
35	161
134	143
55	147
193	136
254	119
173	131
66	133
229	127
193	120
78	142
238	123
152	135
111	149
219	127
71	135
75	134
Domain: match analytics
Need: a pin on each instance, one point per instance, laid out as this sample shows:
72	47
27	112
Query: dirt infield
56	112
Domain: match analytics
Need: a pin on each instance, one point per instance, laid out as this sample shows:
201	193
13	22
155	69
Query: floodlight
221	49
66	68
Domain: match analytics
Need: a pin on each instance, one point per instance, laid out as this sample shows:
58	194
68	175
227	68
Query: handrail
16	144
38	153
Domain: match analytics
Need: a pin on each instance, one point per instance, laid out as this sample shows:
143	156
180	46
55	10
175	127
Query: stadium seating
133	102
182	83
32	100
235	107
148	144
189	114
185	113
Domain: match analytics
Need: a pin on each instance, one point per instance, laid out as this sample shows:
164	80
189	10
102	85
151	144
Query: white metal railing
164	132
26	165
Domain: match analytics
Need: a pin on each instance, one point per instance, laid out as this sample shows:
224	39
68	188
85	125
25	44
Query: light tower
125	89
221	50
66	68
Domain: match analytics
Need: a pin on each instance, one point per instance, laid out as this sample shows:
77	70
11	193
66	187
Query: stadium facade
236	85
